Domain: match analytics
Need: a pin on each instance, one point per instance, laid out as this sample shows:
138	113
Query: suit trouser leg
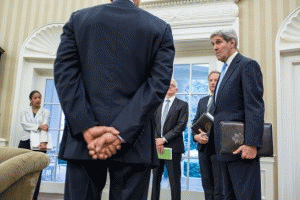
85	179
129	181
174	173
242	179
217	178
156	180
207	175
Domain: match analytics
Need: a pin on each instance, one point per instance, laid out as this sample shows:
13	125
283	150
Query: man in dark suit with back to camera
171	119
113	68
212	181
238	97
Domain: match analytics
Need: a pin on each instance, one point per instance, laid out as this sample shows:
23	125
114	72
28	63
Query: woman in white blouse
35	123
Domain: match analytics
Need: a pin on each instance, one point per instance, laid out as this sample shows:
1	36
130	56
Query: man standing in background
113	68
171	120
212	181
238	97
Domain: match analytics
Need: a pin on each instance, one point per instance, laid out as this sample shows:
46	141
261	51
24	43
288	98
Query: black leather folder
232	137
204	123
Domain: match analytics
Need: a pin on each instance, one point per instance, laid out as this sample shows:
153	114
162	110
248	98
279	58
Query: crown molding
160	3
290	34
44	42
192	24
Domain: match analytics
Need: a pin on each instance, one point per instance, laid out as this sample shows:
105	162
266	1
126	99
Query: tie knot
167	100
224	66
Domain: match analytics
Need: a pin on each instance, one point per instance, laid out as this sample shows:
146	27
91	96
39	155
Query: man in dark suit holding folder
171	120
212	181
238	97
113	68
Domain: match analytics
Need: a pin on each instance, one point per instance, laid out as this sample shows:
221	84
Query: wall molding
43	43
287	50
161	3
290	32
192	24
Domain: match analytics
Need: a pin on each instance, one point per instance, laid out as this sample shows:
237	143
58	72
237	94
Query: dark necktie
209	103
164	115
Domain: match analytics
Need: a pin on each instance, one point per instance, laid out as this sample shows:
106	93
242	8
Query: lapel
204	105
38	113
29	114
229	72
172	109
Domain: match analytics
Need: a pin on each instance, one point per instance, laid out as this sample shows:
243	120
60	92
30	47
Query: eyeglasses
172	85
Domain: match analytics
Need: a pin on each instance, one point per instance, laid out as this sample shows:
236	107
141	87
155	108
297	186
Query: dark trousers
174	173
85	180
26	145
242	179
212	180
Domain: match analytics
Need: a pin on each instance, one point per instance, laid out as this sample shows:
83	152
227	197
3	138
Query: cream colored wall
19	18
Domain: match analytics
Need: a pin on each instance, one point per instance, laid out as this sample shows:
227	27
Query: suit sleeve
198	113
180	125
69	83
253	102
148	97
26	125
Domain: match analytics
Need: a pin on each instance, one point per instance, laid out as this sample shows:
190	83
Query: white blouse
30	126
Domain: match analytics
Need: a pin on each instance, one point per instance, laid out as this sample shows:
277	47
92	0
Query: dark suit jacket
240	98
113	68
202	108
175	124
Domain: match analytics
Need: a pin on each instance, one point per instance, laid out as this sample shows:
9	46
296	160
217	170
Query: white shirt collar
171	99
229	60
170	103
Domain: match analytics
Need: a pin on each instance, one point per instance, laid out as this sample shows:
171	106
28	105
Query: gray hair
175	82
213	72
227	35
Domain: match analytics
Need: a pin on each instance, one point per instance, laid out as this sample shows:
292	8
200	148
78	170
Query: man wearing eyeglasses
171	120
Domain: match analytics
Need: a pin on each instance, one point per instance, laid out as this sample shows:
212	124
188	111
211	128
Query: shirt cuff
122	140
165	140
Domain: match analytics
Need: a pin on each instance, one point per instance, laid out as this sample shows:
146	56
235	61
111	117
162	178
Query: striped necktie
220	79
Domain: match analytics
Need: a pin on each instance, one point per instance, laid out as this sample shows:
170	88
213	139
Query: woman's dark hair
32	93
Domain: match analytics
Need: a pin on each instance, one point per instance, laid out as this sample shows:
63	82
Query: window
192	85
56	171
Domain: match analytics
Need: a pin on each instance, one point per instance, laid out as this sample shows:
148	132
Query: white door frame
287	64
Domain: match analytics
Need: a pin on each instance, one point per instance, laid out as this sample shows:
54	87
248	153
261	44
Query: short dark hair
32	93
213	72
227	35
